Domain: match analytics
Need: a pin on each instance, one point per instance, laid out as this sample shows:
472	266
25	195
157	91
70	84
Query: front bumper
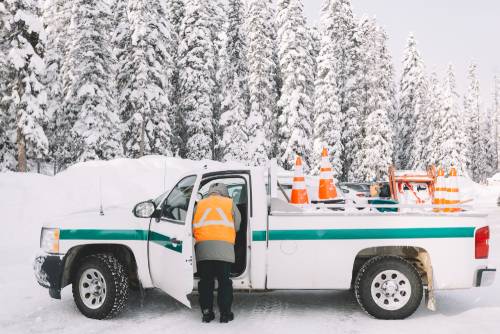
48	272
485	277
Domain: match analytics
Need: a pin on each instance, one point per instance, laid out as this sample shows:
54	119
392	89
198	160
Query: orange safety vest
213	220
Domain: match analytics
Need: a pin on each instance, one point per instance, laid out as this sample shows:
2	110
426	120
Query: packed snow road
27	200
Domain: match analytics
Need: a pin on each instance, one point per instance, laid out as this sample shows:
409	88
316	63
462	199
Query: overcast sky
456	31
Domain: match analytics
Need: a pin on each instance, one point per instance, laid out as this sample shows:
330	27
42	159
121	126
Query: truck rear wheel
388	287
100	286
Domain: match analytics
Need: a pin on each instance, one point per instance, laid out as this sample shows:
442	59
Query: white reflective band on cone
299	185
326	175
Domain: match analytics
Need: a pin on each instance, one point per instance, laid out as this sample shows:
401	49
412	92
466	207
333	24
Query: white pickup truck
391	260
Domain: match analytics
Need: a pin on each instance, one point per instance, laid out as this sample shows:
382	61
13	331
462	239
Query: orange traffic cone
440	191
326	185
299	191
453	192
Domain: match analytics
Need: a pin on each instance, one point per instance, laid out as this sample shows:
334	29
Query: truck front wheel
100	286
388	287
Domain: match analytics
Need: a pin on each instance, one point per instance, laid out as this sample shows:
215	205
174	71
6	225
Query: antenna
165	175
101	211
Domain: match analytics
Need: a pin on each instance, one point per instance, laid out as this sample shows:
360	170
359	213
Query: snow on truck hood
118	217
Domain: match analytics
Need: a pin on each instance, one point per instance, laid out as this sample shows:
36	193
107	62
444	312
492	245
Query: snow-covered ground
27	200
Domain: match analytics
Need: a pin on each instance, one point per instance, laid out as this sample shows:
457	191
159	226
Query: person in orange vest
216	221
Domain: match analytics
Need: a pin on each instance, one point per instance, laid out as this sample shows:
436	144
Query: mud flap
430	298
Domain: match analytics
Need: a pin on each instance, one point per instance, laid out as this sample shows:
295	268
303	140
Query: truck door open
170	247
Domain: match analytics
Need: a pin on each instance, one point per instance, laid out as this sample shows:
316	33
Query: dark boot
226	317
207	315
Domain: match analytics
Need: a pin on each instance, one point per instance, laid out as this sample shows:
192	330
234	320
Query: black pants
208	271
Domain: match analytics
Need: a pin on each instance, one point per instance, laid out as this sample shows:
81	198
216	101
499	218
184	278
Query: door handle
176	241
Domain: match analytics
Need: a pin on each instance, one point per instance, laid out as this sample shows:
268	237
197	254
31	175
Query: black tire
370	271
115	276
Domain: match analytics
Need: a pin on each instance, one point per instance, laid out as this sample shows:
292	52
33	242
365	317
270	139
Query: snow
26	200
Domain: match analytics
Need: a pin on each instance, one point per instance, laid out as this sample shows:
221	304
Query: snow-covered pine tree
375	91
89	87
296	66
218	28
234	139
25	35
327	113
342	34
235	95
435	109
261	80
491	134
376	153
315	46
175	15
122	51
411	106
7	122
148	88
494	112
197	75
476	155
488	127
448	126
386	88
56	15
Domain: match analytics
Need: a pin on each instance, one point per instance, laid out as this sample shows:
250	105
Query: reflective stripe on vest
213	220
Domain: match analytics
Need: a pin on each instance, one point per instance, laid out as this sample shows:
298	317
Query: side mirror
144	209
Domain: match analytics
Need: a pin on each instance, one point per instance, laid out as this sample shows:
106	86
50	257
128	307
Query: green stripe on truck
353	234
140	235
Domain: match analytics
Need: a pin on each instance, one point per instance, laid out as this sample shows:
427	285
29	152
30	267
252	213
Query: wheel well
417	256
122	252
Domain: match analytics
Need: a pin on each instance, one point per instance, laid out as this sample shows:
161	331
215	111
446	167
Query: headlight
49	240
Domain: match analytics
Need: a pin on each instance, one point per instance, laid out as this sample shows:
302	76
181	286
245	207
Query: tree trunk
21	141
21	152
142	143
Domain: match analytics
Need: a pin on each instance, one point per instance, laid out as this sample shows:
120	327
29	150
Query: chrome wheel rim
391	290
92	288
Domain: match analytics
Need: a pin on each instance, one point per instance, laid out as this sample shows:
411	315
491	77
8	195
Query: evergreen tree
314	48
347	44
435	109
488	127
235	95
122	51
261	80
297	67
375	86
175	16
327	113
24	33
376	153
495	114
235	138
89	103
7	149
448	131
150	63
411	107
197	75
476	154
56	16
